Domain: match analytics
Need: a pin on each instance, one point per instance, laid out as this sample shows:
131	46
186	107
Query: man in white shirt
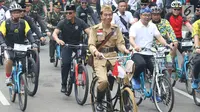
142	34
123	19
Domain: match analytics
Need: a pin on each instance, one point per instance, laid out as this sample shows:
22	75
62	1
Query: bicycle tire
124	93
36	58
12	91
22	104
195	98
93	97
56	62
34	77
86	85
171	94
69	85
189	76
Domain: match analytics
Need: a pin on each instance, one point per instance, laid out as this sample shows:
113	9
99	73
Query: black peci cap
70	7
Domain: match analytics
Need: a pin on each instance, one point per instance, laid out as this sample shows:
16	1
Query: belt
107	50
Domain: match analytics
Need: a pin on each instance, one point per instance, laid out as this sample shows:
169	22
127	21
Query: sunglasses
177	9
143	4
83	2
198	10
69	13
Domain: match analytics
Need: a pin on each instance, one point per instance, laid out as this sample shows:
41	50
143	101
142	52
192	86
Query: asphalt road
50	99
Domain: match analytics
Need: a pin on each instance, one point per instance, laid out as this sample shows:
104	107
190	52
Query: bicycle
123	94
78	75
158	83
18	85
196	93
186	68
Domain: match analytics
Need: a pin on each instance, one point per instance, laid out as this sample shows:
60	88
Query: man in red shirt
176	20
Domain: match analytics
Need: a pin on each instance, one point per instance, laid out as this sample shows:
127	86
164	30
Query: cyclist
123	19
3	10
83	10
52	20
196	59
97	35
14	30
32	25
197	13
164	28
34	10
142	34
176	21
71	29
143	4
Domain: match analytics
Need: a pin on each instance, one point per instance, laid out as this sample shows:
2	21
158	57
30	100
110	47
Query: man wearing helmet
71	29
164	27
14	30
176	20
84	10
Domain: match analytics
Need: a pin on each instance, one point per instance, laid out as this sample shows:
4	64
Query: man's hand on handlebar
137	48
43	39
98	54
60	42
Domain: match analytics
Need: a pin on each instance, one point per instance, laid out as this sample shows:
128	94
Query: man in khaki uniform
97	35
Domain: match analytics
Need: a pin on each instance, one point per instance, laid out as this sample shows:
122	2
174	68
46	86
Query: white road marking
3	99
185	94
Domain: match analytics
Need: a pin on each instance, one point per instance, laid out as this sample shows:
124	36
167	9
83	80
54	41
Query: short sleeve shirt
144	35
127	17
71	33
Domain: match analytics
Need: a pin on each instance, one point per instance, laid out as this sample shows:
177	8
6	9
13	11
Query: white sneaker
8	81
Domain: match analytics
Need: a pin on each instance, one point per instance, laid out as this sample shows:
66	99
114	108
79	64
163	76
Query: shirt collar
68	22
118	13
142	25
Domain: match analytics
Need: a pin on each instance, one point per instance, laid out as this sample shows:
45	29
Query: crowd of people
135	23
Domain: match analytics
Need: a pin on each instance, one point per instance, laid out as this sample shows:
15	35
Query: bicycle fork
77	76
158	87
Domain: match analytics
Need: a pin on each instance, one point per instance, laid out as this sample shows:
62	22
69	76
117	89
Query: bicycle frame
183	70
16	72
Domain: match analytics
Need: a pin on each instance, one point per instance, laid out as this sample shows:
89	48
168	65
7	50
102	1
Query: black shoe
52	60
63	89
99	107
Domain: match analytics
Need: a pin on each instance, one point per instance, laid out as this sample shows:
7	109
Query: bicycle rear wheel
12	91
81	89
164	102
22	93
31	78
128	101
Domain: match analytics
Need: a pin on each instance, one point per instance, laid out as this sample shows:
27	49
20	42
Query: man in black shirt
197	13
71	29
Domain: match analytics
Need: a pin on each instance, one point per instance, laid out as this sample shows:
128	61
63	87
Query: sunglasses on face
177	9
69	13
143	4
83	2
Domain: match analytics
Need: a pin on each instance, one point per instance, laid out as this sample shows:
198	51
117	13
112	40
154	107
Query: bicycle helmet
176	4
155	10
15	7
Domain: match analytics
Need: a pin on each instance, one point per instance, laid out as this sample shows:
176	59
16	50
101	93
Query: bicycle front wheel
128	101
81	85
31	78
165	101
69	83
12	91
189	77
22	93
